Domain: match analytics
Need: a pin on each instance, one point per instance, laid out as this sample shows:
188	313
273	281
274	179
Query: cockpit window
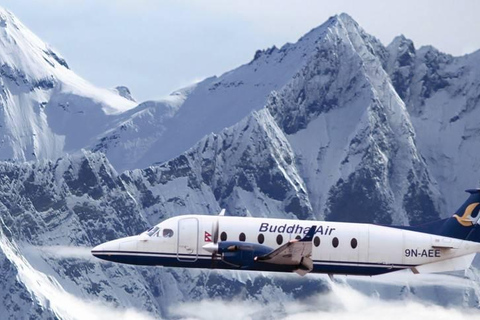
151	232
167	233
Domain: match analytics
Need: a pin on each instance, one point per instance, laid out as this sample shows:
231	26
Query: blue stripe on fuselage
205	262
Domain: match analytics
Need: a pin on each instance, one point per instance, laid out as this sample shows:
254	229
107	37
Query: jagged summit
25	57
219	102
311	77
24	52
152	128
399	39
313	36
335	21
124	92
45	108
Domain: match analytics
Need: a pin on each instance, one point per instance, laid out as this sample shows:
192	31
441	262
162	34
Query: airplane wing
293	253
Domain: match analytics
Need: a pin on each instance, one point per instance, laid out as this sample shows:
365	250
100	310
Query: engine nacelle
241	254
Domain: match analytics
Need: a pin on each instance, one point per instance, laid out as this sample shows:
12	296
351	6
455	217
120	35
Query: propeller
213	246
215	231
215	228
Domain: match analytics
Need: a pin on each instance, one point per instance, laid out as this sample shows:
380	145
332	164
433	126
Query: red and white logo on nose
208	237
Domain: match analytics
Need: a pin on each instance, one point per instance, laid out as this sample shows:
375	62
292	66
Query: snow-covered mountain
335	142
352	136
335	126
157	131
53	212
49	111
45	108
442	96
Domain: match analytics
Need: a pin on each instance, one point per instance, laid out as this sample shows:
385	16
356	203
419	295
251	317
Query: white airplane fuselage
336	247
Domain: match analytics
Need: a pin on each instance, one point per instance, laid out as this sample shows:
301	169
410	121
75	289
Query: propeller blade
213	247
215	231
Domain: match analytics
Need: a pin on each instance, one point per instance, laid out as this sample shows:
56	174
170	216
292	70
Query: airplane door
187	242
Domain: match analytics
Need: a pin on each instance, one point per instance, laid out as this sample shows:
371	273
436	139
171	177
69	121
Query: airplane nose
114	250
105	248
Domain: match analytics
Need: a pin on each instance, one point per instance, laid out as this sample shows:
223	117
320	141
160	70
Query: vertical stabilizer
463	225
467	214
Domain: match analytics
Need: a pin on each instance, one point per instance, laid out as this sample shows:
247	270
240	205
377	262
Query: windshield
151	232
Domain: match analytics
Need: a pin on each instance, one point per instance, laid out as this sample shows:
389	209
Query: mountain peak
347	19
6	18
342	20
124	91
46	109
344	28
401	41
22	52
4	15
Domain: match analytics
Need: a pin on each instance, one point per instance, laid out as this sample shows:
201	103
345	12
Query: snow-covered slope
442	95
336	141
17	299
248	169
158	131
53	212
352	137
45	109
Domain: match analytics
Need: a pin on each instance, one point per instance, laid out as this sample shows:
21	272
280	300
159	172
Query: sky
155	47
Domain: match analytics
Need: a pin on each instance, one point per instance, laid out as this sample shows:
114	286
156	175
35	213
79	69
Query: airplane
282	245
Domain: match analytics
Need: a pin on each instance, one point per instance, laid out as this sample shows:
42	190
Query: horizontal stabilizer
454	264
445	243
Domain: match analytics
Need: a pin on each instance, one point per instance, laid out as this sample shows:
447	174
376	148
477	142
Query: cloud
65	251
72	307
342	302
353	304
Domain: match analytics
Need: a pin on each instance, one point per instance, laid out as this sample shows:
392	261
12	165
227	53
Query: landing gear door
187	244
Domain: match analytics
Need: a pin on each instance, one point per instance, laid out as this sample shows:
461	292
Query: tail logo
467	220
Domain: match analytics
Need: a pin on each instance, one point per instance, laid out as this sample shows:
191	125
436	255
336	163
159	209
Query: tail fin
463	225
467	214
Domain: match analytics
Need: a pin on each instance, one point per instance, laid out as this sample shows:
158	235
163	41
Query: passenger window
316	241
167	233
261	238
223	236
298	237
335	242
242	237
354	243
279	239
